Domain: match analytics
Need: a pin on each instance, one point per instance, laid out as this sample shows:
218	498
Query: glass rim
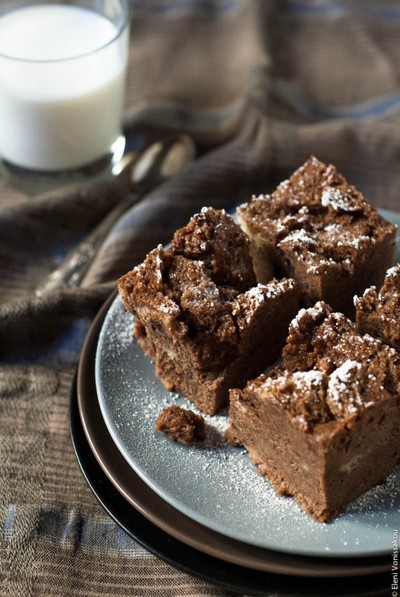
124	23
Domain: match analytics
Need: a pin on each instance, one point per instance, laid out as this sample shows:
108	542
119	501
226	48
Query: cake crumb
181	425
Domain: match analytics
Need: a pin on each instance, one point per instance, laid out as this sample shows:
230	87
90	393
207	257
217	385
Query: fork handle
76	263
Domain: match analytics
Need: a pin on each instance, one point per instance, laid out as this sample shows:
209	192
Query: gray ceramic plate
215	484
172	536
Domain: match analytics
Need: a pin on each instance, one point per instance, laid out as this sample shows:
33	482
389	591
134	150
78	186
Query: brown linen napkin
260	86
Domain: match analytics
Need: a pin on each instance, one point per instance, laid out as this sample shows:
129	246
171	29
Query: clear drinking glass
62	82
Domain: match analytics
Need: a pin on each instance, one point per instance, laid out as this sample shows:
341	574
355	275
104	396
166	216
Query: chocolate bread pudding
321	231
200	314
378	313
324	425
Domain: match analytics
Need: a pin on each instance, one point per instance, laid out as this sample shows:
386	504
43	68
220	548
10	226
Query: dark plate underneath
230	576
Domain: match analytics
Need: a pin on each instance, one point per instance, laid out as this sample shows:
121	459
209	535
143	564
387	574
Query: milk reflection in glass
62	71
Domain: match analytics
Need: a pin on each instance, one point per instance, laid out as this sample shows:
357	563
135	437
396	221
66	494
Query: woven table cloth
259	86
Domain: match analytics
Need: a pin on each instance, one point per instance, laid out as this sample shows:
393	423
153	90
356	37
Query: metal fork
149	168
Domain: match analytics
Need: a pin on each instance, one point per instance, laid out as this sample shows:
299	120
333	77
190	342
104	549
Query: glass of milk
62	82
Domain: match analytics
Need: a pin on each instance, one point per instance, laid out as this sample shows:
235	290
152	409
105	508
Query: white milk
61	98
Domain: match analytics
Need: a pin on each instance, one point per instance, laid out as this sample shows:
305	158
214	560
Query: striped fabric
260	85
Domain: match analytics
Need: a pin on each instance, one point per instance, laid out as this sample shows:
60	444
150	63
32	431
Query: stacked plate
205	508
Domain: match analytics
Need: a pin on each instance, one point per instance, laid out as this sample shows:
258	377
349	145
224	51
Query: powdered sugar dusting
271	290
345	373
247	303
260	197
298	237
256	294
314	312
302	380
341	382
335	198
393	271
308	379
